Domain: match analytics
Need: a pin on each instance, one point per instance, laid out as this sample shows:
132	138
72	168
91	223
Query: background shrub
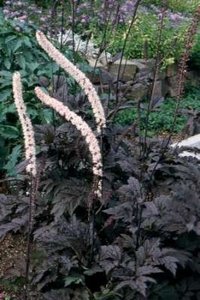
186	6
140	242
19	51
142	41
161	119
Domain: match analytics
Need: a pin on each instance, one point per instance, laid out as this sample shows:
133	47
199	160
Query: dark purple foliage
146	233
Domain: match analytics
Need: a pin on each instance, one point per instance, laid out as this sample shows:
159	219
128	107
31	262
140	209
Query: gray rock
128	69
138	92
172	83
160	90
192	143
171	70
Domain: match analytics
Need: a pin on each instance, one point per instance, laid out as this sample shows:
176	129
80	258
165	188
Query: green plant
11	286
142	40
161	119
19	51
195	54
142	242
41	3
186	6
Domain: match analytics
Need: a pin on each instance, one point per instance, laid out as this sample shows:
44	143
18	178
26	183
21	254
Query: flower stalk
79	76
30	156
27	127
85	131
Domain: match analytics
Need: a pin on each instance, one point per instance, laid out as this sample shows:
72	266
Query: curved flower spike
27	127
85	130
79	76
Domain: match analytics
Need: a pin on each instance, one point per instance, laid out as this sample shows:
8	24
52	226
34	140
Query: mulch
12	264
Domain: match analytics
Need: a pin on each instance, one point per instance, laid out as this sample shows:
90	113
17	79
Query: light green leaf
7	74
17	45
27	41
7	63
10	38
47	115
21	61
4	95
9	132
12	161
73	279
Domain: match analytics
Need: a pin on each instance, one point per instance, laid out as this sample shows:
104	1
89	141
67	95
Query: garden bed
94	203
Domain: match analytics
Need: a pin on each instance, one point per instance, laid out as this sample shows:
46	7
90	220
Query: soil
12	263
176	137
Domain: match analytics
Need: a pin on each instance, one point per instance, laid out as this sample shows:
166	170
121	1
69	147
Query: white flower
27	127
79	76
84	129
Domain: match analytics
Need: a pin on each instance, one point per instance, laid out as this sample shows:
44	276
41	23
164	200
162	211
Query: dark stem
181	80
155	76
73	24
104	41
124	47
33	189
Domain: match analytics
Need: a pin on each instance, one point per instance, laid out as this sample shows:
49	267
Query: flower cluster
79	76
64	111
26	125
72	117
109	10
116	12
24	12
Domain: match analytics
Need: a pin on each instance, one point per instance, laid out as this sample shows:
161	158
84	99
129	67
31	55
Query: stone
140	64
193	78
145	66
95	77
190	154
157	90
138	92
192	126
192	142
143	77
171	70
128	69
160	90
94	63
124	87
161	75
86	47
172	83
146	71
105	58
106	77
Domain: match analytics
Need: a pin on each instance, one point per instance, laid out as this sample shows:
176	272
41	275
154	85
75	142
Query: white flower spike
27	127
79	76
